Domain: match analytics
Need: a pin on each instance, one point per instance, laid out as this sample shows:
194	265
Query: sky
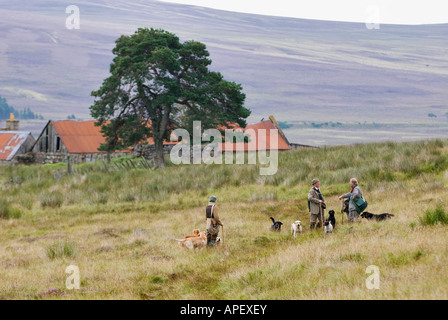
364	11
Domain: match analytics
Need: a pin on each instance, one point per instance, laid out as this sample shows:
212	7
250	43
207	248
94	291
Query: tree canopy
158	84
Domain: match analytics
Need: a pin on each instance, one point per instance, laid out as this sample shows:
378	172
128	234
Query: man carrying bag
357	203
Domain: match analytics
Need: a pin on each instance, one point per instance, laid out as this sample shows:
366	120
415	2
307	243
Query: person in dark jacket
213	221
316	203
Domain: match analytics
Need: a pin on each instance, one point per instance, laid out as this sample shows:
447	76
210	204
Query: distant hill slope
296	69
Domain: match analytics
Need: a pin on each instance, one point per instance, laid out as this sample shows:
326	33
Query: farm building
265	135
14	143
79	139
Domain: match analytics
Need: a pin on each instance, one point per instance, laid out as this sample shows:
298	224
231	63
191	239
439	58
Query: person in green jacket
353	195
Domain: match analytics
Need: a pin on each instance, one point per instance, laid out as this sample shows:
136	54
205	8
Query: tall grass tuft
7	211
52	200
61	249
435	216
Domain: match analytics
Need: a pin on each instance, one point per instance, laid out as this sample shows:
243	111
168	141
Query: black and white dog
276	225
331	218
328	227
377	217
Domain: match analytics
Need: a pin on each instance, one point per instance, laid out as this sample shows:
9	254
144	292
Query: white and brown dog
198	242
296	227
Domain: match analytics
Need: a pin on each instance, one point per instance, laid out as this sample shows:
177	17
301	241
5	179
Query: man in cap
316	205
213	221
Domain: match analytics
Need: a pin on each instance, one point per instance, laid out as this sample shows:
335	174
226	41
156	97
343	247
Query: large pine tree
158	84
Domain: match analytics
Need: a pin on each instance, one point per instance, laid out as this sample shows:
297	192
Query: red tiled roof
83	136
258	140
10	143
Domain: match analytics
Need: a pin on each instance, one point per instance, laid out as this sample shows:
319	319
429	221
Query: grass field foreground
119	228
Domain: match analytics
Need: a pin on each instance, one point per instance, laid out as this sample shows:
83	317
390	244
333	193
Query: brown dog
195	234
194	242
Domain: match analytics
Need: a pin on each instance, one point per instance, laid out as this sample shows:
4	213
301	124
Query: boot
312	225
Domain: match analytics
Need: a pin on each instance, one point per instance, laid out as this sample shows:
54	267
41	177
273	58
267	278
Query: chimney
12	124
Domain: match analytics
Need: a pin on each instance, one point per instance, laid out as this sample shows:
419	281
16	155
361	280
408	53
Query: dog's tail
273	221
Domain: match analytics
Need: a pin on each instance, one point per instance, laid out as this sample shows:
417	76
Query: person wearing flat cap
315	202
213	221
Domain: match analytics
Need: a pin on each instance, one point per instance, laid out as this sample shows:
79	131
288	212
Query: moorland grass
119	228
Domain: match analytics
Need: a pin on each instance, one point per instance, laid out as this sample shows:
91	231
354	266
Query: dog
377	217
332	218
296	227
328	227
194	242
195	234
276	225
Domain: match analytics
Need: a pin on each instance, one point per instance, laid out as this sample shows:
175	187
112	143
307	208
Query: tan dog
195	234
194	242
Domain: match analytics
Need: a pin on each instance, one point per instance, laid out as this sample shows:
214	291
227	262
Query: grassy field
118	228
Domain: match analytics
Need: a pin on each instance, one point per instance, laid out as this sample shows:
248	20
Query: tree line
26	113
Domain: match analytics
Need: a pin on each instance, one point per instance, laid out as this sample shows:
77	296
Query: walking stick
321	215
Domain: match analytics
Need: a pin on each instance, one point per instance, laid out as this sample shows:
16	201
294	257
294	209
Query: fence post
105	166
69	164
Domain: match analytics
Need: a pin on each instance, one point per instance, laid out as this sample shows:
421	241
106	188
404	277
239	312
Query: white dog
296	227
328	227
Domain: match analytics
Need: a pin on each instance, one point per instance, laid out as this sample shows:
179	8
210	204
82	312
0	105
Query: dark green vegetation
6	110
158	84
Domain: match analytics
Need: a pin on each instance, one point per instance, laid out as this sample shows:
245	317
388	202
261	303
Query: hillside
119	228
301	70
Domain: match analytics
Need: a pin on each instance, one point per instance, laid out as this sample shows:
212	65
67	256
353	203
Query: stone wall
147	151
55	157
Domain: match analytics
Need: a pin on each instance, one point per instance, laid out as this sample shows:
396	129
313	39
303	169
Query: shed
13	143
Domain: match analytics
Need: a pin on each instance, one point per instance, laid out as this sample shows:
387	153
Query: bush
52	200
61	249
434	216
7	211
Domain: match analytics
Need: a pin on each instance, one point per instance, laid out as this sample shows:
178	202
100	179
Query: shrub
52	200
434	216
61	249
7	211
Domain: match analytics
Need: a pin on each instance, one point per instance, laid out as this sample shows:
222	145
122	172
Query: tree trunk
159	158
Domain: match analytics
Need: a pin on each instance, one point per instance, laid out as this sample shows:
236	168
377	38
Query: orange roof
79	136
83	136
258	140
10	142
